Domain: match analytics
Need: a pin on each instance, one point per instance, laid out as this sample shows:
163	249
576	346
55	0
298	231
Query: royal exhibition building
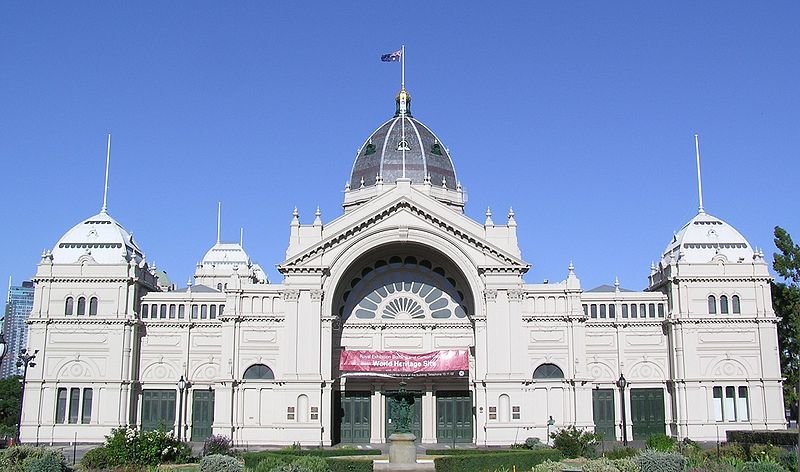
400	291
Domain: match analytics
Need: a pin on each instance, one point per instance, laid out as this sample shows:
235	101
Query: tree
786	302
10	391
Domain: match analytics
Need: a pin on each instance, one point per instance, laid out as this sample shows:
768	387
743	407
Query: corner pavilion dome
100	238
400	148
705	239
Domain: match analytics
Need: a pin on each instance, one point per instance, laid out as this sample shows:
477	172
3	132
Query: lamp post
181	388
622	383
24	360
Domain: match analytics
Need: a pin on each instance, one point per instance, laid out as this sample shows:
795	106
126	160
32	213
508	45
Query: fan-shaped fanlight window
258	372
548	371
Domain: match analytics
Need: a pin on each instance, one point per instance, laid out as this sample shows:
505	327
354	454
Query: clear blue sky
580	115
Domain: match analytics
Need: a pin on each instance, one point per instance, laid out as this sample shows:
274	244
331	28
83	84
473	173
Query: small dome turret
705	238
100	238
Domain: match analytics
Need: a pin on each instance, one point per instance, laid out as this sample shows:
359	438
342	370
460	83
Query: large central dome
403	148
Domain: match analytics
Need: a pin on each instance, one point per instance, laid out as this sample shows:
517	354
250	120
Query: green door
202	414
603	412
158	409
647	412
454	417
416	422
353	416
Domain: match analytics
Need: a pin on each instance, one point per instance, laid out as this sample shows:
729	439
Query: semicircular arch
160	371
76	369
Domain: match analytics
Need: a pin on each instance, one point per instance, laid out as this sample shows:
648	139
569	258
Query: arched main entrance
404	315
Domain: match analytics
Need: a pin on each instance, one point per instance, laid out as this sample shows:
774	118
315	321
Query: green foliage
548	466
10	391
776	438
621	453
269	463
655	461
220	463
626	464
760	467
311	464
732	451
252	459
217	444
521	460
350	465
128	446
600	465
574	442
31	459
96	459
661	442
786	302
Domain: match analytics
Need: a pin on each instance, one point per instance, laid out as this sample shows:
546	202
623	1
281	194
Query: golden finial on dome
403	101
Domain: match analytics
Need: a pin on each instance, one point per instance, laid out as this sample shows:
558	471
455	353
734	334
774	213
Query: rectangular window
515	413
203	311
594	310
652	307
221	309
660	310
181	311
61	406
744	406
624	310
642	310
718	404
602	311
158	409
586	310
86	411
612	311
172	311
729	408
492	412
633	310
145	311
163	313
213	313
74	403
194	312
289	411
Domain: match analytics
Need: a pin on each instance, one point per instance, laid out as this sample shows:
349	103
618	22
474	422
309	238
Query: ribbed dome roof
705	237
403	147
222	254
101	238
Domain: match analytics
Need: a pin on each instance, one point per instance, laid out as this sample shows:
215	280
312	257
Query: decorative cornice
291	295
408	325
516	294
490	294
397	206
483	270
720	320
304	270
316	295
93	279
82	321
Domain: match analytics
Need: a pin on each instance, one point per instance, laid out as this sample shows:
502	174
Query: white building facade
402	271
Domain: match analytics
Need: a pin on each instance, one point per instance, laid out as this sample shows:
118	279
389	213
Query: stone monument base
402	449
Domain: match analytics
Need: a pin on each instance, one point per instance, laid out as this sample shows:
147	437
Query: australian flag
392	56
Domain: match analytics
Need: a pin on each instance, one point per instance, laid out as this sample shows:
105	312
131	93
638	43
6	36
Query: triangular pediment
403	208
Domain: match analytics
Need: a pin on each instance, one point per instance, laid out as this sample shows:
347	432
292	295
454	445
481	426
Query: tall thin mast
403	67
105	185
699	177
404	109
219	219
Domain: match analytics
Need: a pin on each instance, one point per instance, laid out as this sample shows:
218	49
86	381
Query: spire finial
488	221
219	220
699	178
241	236
105	185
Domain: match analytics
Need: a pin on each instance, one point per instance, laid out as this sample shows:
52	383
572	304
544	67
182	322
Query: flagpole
403	67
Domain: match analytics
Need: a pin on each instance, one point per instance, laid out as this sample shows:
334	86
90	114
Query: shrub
788	459
627	464
268	463
311	464
548	466
733	451
655	461
96	459
621	453
574	442
38	459
761	467
599	465
217	444
661	442
220	463
349	465
129	446
521	460
776	438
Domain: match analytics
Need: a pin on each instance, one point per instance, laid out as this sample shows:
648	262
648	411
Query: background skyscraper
18	307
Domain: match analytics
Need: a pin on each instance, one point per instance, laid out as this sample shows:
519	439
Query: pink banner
449	362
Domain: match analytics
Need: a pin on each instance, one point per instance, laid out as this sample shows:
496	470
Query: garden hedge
331	456
468	451
776	438
487	460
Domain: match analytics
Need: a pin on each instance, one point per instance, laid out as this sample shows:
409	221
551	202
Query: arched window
93	306
505	408
548	371
712	305
258	372
723	305
219	287
68	306
737	307
81	306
